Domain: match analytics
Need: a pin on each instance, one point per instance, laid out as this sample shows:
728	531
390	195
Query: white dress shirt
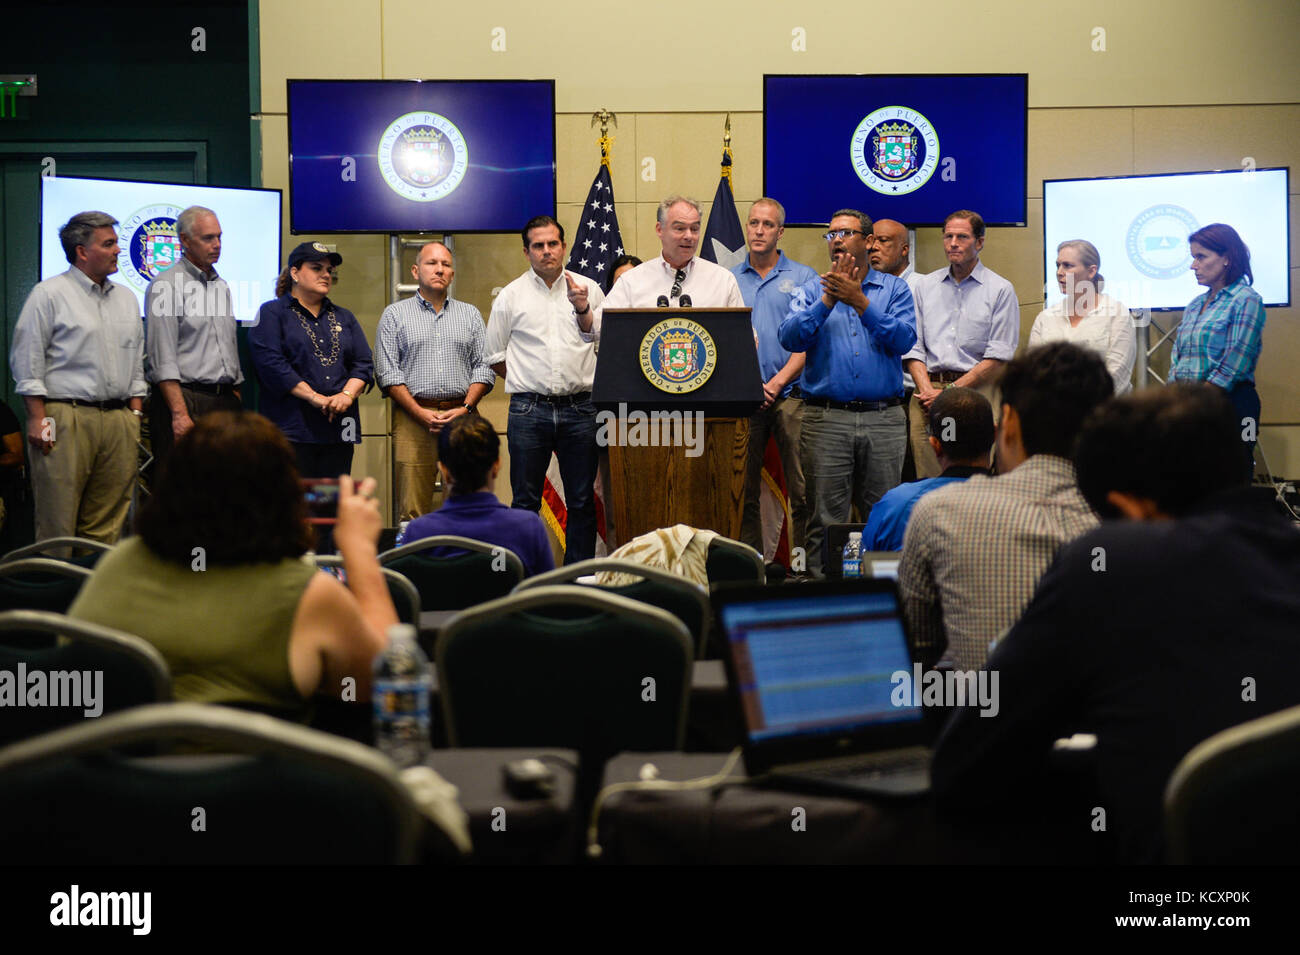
959	325
708	285
533	328
1107	329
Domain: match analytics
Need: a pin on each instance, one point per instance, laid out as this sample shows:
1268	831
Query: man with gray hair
676	277
78	361
190	325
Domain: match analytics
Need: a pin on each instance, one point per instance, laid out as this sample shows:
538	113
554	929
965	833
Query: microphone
684	301
662	301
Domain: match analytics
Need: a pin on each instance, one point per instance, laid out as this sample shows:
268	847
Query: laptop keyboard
869	767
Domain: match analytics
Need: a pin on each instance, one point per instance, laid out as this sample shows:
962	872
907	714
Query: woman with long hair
215	579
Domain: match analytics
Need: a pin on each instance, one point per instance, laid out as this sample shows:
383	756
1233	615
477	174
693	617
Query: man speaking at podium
675	278
854	324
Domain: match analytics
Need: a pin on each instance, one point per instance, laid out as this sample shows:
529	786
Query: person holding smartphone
215	580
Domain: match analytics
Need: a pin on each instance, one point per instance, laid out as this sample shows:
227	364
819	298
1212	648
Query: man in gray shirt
193	355
78	361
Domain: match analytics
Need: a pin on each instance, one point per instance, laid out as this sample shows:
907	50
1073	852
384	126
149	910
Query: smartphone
322	496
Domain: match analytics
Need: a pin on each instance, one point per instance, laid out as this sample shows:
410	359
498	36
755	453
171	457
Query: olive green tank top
224	631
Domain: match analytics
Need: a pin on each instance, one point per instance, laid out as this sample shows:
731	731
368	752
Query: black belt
112	404
224	388
945	377
851	405
574	399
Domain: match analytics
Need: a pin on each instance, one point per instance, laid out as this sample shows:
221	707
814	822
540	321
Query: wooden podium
649	372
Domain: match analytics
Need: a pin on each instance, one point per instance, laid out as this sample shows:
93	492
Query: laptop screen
817	662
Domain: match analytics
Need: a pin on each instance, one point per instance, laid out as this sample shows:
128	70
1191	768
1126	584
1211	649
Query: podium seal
678	356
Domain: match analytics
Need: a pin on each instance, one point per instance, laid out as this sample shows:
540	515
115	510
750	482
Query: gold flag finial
606	141
726	153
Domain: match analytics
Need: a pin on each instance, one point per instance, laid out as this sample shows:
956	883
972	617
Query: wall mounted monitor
420	155
1140	226
146	213
909	147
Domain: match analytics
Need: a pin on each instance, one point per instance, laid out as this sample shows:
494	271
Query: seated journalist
215	578
1151	633
469	456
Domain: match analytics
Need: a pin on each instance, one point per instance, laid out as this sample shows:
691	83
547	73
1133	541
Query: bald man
430	358
891	254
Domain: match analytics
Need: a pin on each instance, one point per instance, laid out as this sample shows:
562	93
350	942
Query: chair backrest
684	599
97	671
39	583
293	795
565	666
94	550
1232	799
484	572
731	561
406	599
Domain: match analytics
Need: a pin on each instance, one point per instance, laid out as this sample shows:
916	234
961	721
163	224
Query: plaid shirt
435	354
974	552
1219	342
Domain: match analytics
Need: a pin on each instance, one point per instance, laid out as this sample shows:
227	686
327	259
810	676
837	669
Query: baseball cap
313	252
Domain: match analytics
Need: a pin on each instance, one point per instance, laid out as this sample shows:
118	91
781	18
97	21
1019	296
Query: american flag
598	242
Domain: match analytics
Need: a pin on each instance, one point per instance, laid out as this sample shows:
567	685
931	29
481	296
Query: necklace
334	327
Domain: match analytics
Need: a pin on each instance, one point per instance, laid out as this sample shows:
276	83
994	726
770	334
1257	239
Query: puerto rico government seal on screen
894	150
149	244
423	156
678	356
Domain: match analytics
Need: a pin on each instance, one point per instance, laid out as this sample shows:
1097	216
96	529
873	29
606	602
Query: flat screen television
146	213
1140	226
420	155
910	147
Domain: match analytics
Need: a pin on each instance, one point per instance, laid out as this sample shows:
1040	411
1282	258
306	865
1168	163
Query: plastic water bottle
853	555
401	534
402	686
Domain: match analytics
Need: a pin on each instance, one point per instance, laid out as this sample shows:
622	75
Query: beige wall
1196	85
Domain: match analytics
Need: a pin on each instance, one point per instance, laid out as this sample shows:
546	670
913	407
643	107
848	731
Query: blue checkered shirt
435	354
1220	342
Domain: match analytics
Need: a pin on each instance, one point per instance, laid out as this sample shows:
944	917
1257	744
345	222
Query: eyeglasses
678	279
842	234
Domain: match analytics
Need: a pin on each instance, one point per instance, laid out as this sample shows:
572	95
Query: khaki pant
83	486
918	420
415	463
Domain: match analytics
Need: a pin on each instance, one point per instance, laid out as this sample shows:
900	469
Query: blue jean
1245	401
535	430
849	458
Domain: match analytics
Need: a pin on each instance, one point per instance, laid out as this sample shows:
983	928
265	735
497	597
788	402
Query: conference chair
1232	799
93	550
731	561
684	599
276	793
565	666
484	572
39	583
124	671
405	597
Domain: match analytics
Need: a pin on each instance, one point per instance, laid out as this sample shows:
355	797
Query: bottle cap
401	631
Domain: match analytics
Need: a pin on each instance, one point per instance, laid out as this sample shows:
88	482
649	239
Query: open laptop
810	669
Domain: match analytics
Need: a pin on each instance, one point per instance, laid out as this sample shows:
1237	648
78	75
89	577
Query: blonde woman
1086	316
